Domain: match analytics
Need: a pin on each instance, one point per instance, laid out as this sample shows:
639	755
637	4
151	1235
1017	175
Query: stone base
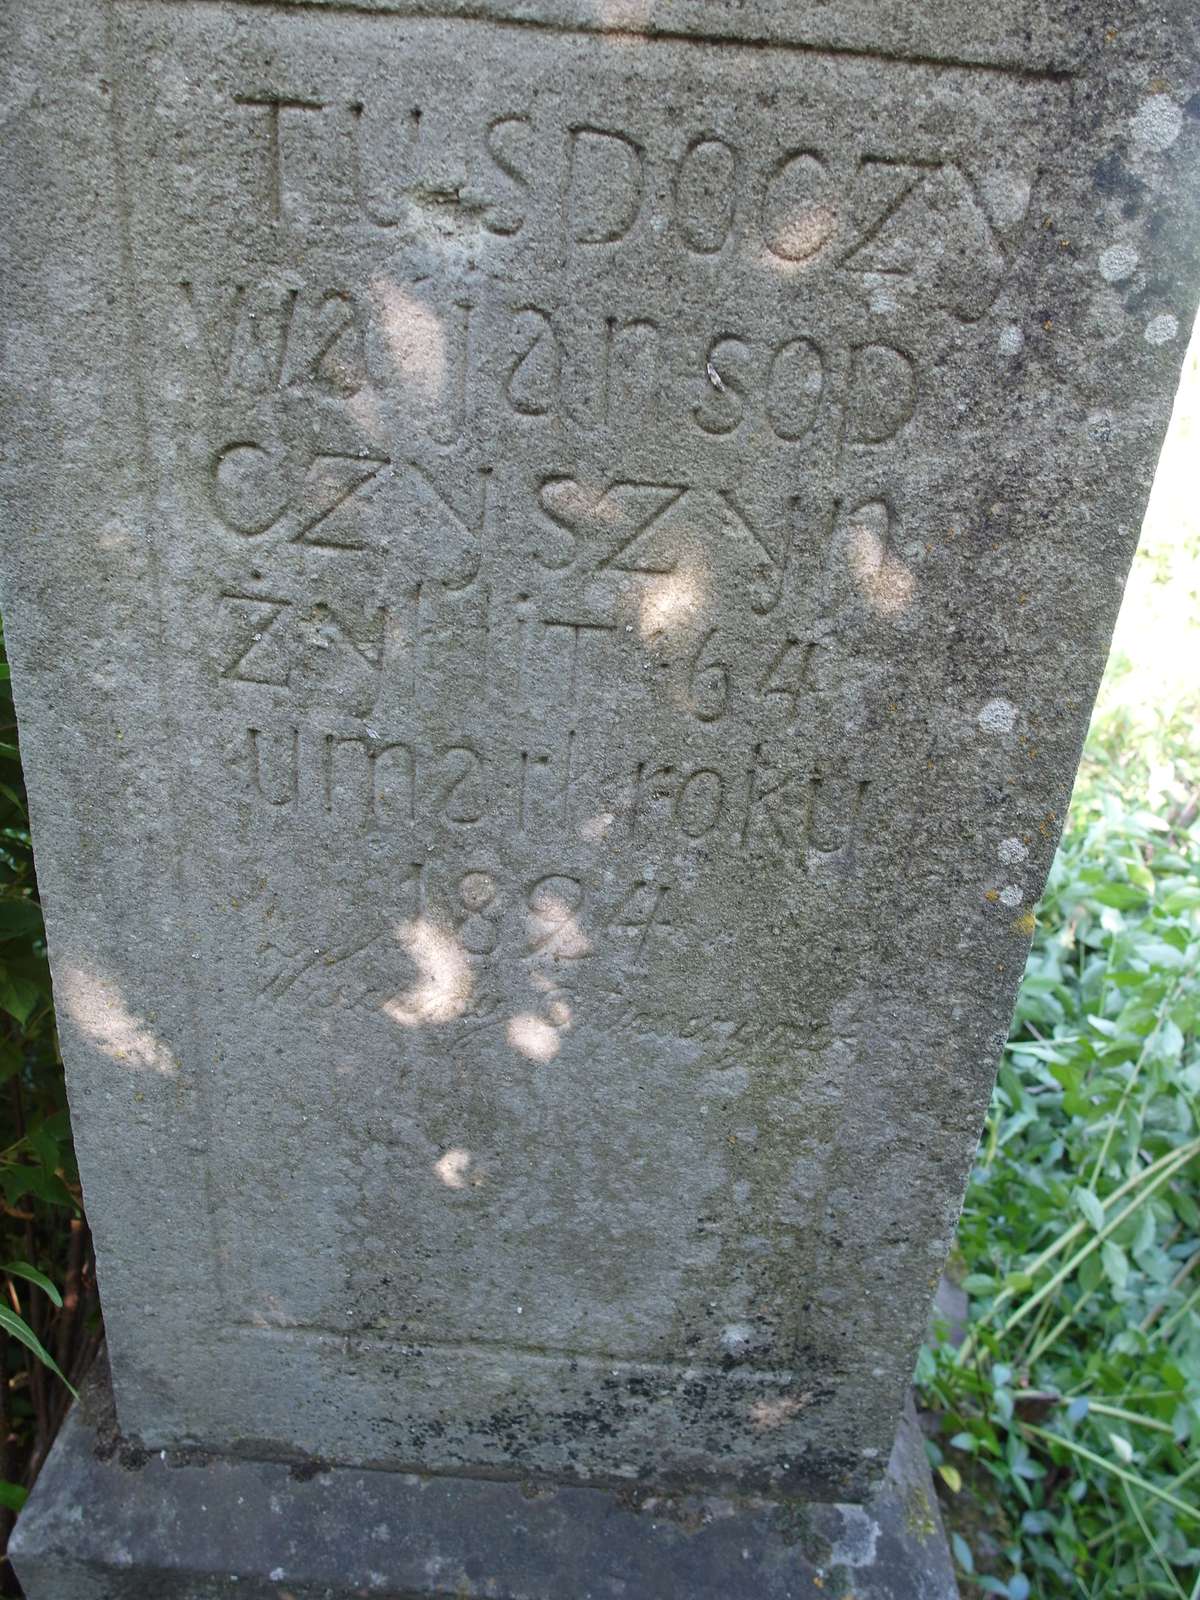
109	1522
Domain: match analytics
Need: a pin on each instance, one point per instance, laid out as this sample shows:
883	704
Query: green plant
1069	1433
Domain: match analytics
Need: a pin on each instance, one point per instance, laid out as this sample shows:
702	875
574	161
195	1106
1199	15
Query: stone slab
556	563
108	1523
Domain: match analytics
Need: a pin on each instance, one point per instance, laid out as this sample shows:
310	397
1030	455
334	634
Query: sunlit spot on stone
884	582
797	238
443	988
558	1008
670	601
773	1413
98	1010
553	928
269	1314
597	827
802	234
533	1037
452	1168
415	338
364	408
625	16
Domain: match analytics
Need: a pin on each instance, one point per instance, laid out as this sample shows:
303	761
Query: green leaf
1018	1282
48	1186
1162	952
22	1269
1140	875
1091	1274
16	1179
1191	1512
1116	1264
1122	896
11	1060
1121	1448
44	1145
1104	1025
18	996
20	919
962	1552
951	1477
1091	1206
24	1334
12	1495
1169	1044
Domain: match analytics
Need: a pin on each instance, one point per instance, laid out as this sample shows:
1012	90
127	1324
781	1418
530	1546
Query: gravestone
557	560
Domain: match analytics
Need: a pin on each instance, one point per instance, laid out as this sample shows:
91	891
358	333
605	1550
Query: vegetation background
1064	1414
49	1314
1067	1440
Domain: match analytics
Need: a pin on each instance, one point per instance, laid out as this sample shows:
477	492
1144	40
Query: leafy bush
1069	1436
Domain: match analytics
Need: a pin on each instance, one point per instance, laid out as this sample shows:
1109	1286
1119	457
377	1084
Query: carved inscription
555	921
756	801
616	554
561	541
898	212
542	361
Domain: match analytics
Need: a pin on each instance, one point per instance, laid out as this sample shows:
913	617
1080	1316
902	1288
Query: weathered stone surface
106	1523
556	566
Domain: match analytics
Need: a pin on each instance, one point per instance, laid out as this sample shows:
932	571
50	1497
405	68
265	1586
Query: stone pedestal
110	1521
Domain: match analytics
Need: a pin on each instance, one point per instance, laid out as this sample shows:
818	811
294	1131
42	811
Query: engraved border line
309	1333
137	333
473	13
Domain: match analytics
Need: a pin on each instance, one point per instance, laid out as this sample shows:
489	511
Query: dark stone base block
106	1522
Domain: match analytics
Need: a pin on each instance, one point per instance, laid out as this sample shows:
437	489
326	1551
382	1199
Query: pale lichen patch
998	716
1011	339
1161	329
1157	123
1118	262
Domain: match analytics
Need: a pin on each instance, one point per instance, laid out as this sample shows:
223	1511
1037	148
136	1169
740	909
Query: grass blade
24	1334
22	1269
